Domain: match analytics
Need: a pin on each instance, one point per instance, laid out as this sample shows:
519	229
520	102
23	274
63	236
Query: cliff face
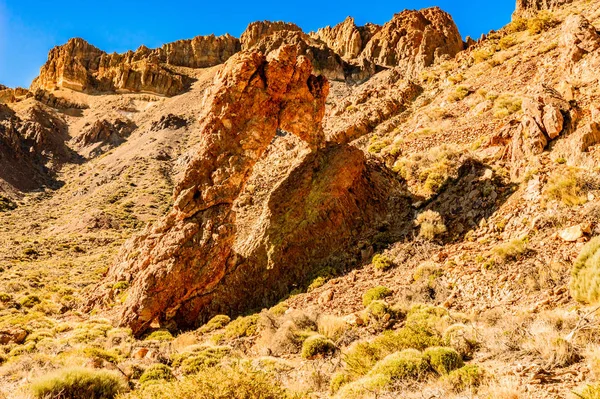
79	66
411	41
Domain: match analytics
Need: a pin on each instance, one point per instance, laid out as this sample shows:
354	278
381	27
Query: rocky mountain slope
357	212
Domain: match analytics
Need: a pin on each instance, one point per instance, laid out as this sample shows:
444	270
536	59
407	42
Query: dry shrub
235	381
431	224
76	383
548	343
510	251
541	23
333	327
566	186
506	105
505	388
426	173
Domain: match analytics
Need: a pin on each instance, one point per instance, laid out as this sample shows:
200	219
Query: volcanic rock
106	132
323	59
257	31
80	66
413	40
346	38
213	253
529	8
578	37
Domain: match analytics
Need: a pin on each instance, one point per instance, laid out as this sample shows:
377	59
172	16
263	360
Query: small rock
573	233
12	335
140	353
325	297
553	121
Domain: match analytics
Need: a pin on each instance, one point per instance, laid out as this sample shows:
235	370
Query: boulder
552	121
584	138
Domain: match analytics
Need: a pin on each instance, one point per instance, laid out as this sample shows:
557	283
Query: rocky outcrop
578	38
8	95
546	115
104	134
46	97
413	40
257	31
369	108
347	39
31	145
323	59
233	242
528	8
79	66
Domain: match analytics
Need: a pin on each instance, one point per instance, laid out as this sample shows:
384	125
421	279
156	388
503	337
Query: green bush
409	364
507	42
585	277
317	345
458	94
217	322
121	285
517	25
192	363
375	293
565	186
160	335
443	360
337	380
30	301
237	381
377	311
506	105
511	250
98	353
467	377
382	262
77	383
242	327
362	356
156	372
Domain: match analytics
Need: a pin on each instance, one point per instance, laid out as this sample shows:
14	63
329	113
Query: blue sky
30	28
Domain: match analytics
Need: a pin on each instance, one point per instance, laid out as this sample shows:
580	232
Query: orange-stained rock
225	247
413	40
323	59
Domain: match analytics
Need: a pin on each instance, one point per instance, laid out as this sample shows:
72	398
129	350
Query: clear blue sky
30	28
